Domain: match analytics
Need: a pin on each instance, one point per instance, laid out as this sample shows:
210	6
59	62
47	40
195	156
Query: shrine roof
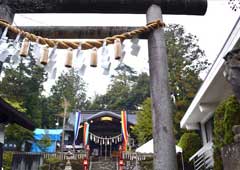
9	114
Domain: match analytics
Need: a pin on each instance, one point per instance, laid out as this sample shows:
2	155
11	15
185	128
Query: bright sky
211	29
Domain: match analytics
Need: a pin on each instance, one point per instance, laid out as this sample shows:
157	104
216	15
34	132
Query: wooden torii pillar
164	142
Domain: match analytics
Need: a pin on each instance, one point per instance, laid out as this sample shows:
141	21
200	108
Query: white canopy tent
148	148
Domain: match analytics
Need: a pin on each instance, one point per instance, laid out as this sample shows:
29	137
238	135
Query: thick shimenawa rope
61	44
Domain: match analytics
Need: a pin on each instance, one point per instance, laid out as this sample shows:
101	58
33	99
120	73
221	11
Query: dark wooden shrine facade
8	114
102	124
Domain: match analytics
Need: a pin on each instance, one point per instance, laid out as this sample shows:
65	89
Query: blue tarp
53	134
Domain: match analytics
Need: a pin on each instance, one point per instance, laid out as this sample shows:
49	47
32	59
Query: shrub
146	164
225	116
190	142
7	160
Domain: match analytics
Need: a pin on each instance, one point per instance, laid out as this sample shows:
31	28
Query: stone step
104	165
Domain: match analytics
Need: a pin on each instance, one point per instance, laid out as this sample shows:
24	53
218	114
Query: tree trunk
162	117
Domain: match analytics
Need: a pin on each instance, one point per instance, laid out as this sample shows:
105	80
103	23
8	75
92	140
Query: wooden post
163	137
1	143
65	105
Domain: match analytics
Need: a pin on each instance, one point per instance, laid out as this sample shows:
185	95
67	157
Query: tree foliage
143	128
190	142
15	133
71	86
186	61
126	91
25	85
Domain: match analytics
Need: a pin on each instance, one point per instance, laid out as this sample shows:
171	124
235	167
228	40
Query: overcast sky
211	29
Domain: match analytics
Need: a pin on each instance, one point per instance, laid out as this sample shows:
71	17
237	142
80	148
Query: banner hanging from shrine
76	126
85	133
124	129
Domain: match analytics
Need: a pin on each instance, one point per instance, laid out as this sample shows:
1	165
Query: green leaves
143	128
190	142
126	91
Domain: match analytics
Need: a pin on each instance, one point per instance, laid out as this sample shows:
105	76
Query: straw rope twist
61	44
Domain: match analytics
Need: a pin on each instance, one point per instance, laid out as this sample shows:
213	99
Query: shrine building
105	133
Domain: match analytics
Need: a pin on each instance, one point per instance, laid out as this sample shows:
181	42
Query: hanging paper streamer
4	45
4	37
135	47
54	73
76	126
36	49
15	50
79	61
85	133
124	129
106	140
106	64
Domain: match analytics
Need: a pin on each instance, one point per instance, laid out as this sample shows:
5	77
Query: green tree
118	92
127	90
186	61
71	86
143	128
16	133
25	85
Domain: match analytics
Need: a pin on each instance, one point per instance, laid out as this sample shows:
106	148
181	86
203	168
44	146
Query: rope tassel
93	62
117	49
44	55
69	58
25	48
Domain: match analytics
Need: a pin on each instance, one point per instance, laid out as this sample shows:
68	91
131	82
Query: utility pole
65	106
162	117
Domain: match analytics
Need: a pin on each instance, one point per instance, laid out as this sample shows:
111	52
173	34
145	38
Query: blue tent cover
53	134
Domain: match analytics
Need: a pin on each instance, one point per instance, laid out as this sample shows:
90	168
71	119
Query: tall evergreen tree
25	85
71	86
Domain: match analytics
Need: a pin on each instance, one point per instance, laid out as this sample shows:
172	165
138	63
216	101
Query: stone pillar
232	71
7	14
162	117
231	153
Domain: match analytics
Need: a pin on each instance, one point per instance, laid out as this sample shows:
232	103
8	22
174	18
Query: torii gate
164	142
